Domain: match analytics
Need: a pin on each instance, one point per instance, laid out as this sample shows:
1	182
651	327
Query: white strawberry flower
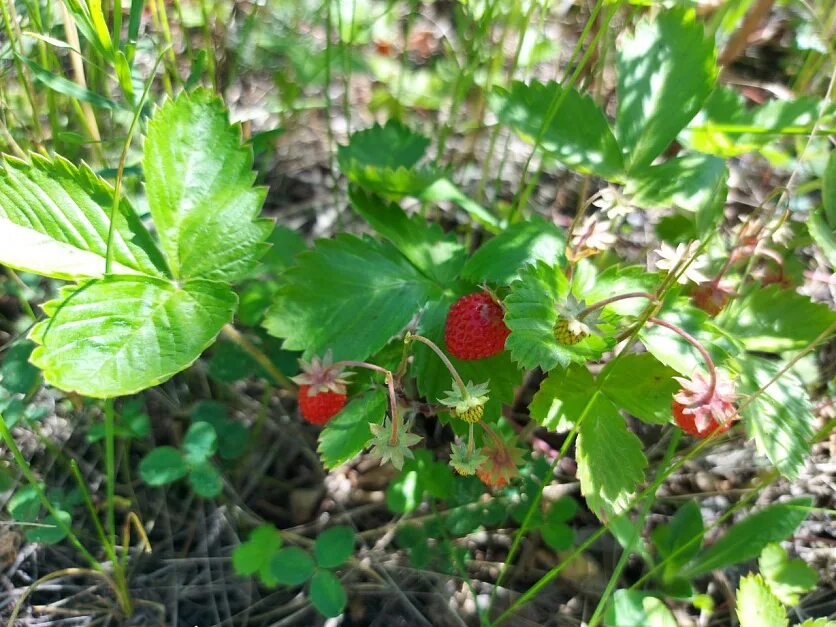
594	233
671	259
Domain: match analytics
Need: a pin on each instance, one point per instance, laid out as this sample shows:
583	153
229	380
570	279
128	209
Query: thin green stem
110	469
231	333
94	515
456	377
628	549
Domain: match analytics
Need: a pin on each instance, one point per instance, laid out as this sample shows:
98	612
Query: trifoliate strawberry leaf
437	255
578	134
772	319
502	257
610	460
531	314
199	183
648	397
121	334
254	555
786	578
780	419
55	218
757	606
346	434
347	295
434	379
746	539
666	70
562	397
384	159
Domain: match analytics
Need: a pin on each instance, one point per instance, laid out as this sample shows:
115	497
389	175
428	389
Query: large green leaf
119	335
578	135
55	218
199	182
501	258
610	459
531	314
641	385
773	319
562	397
781	418
696	183
437	255
746	539
757	606
347	433
666	70
349	295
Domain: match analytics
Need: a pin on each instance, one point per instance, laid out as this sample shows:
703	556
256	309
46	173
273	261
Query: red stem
390	383
712	372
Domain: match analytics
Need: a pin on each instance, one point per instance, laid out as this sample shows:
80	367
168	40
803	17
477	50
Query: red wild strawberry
321	389
688	423
475	328
711	296
319	407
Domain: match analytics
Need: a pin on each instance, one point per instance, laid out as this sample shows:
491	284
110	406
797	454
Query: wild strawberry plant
439	316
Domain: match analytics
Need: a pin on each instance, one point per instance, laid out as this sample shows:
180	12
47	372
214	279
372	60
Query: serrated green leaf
119	335
200	442
347	295
531	315
347	433
327	594
445	189
390	146
746	539
199	183
55	218
666	70
781	418
334	546
757	606
434	379
641	385
696	183
251	556
610	460
291	566
675	541
165	464
579	134
772	319
786	578
205	480
562	396
502	257
823	234
438	256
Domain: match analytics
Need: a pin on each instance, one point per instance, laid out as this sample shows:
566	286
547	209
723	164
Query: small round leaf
327	594
291	566
163	465
205	480
558	536
334	546
200	442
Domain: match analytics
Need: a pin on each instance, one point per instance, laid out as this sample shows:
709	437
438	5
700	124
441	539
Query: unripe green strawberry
564	336
471	414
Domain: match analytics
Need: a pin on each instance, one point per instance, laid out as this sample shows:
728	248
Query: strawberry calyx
322	375
467	403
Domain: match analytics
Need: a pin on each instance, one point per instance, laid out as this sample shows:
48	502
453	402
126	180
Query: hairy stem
712	371
456	377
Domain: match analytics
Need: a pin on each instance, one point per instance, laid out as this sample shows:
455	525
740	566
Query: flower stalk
390	384
410	337
612	299
712	371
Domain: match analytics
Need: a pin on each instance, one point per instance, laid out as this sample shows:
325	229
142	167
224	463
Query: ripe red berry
687	422
319	408
475	328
